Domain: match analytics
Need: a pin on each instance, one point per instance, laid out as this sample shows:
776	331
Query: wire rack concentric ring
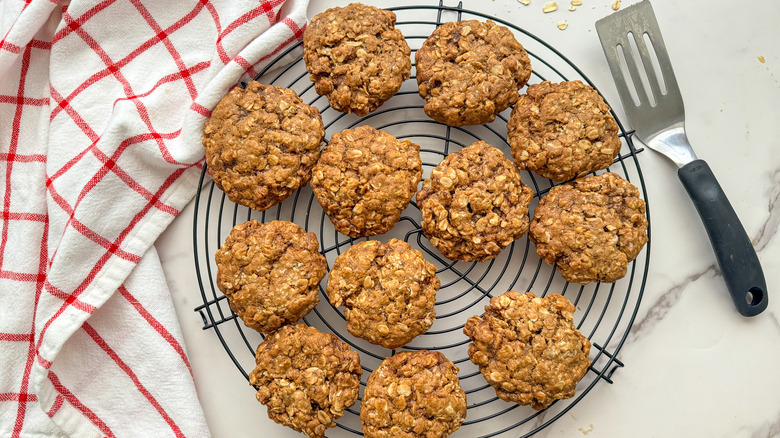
605	312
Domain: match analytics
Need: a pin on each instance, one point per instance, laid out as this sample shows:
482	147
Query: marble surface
693	365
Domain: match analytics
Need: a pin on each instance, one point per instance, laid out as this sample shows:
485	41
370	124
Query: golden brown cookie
365	178
528	348
306	378
356	57
474	205
270	273
469	71
261	144
389	291
413	394
562	131
590	228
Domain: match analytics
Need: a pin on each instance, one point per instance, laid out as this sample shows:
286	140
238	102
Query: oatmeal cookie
413	394
270	273
356	57
528	348
261	144
591	228
562	131
388	289
474	205
306	378
469	71
365	178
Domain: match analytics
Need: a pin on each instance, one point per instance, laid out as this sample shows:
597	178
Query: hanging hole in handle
754	296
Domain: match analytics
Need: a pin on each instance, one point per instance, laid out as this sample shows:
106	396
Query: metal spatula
654	107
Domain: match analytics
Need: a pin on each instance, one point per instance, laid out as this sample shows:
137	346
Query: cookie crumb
572	8
761	59
550	7
563	25
525	2
616	5
576	3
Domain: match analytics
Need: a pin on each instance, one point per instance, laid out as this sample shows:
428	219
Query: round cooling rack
605	312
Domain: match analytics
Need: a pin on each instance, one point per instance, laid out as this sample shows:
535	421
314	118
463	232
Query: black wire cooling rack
605	312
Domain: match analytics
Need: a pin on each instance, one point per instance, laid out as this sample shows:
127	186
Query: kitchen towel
101	110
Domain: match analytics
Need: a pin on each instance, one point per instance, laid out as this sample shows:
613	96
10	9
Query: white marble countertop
693	365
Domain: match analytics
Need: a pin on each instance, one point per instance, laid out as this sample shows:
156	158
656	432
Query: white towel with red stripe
101	110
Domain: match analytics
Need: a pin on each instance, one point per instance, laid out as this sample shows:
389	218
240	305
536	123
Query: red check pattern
101	108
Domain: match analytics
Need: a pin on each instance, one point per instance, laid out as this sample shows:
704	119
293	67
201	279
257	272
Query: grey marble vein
772	316
769	229
664	303
768	430
538	420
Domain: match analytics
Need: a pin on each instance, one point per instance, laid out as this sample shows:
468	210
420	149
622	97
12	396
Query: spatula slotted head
643	74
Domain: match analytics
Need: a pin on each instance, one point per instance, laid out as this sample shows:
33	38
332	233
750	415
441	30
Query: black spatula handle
735	253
